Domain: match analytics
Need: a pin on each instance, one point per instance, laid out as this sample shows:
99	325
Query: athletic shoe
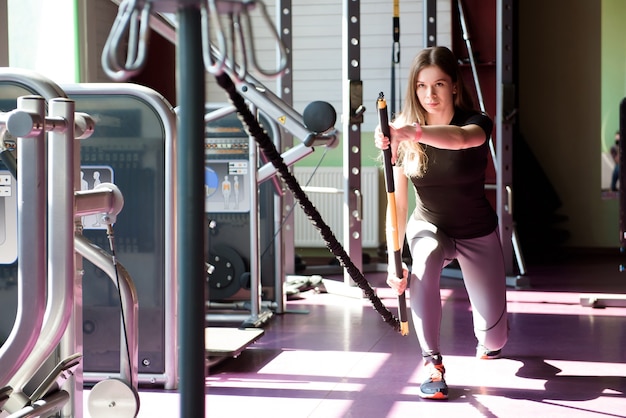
485	354
435	386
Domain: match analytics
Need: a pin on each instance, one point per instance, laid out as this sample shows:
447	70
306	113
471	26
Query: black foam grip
319	116
383	121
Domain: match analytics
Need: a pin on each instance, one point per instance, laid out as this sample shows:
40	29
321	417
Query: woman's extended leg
482	265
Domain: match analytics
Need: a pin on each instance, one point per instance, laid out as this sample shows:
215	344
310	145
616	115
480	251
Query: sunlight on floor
558	303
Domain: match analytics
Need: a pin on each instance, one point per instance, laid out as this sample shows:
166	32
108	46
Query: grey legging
482	265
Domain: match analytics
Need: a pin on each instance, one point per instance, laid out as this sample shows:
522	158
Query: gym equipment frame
34	337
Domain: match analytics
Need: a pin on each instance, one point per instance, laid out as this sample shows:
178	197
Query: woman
440	144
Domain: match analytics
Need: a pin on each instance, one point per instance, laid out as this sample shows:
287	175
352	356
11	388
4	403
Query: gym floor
332	356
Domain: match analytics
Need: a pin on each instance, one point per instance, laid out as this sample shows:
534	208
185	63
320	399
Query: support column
285	240
430	23
505	119
351	137
190	211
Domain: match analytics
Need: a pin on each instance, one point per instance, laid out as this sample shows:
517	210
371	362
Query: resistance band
383	119
268	148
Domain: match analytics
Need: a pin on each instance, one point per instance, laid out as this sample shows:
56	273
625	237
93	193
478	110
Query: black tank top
451	194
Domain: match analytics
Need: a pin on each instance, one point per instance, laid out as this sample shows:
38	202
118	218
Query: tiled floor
333	356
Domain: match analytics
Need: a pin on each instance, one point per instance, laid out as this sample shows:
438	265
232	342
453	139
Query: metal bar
31	220
190	212
288	118
60	237
290	157
430	23
284	243
479	91
352	119
47	406
72	340
470	53
255	259
130	303
505	105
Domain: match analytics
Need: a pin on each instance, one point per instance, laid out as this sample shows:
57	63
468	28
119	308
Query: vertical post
255	259
31	226
190	211
505	104
285	240
430	23
63	288
72	341
352	119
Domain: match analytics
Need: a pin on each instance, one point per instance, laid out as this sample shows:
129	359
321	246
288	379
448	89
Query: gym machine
46	313
314	127
194	57
133	144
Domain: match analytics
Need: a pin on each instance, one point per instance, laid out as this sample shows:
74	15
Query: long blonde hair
411	155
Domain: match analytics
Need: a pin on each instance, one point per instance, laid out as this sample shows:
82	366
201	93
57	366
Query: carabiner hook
133	18
282	52
213	65
240	51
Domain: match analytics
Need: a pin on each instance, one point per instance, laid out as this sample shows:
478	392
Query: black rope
268	148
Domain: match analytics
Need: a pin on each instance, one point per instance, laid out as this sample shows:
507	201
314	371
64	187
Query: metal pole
31	222
470	53
255	259
504	124
430	23
285	240
479	91
352	120
190	213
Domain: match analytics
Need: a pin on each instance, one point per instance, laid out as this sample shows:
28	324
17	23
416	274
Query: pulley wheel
113	398
225	280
